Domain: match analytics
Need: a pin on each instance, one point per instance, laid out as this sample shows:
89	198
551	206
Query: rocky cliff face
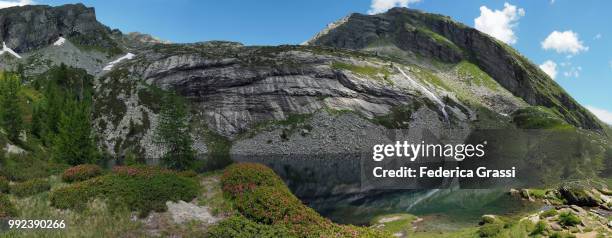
33	27
439	37
234	90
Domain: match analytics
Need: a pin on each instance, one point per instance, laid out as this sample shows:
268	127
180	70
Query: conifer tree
172	133
10	112
73	144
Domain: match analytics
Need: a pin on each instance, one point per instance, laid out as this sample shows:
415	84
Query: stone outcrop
28	28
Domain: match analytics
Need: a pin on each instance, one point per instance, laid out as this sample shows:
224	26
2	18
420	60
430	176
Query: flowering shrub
141	189
81	172
262	197
141	171
241	227
240	178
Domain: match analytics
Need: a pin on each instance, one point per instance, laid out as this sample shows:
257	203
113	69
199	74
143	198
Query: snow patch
60	41
8	50
110	65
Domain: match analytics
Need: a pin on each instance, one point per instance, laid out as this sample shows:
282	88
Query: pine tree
172	133
73	144
10	115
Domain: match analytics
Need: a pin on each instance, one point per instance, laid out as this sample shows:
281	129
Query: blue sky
581	49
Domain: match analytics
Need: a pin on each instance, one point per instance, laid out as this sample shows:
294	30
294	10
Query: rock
13	149
40	26
390	219
555	226
610	224
183	212
525	194
576	194
514	192
304	132
488	219
578	210
535	218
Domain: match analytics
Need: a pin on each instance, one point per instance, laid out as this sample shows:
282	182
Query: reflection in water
455	207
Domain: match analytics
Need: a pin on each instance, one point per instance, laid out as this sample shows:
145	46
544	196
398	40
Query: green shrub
240	178
4	185
140	170
23	168
538	118
540	228
548	213
569	219
30	187
241	227
141	189
269	205
81	172
188	174
74	196
262	197
562	235
537	193
7	208
490	229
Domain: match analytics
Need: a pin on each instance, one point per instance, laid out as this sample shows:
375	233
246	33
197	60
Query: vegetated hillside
338	95
411	35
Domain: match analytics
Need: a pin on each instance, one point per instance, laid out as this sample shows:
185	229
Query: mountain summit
409	35
33	27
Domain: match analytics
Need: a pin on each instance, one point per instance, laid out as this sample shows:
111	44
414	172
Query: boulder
489	219
580	195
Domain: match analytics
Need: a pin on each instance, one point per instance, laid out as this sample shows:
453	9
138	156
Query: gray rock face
439	37
136	40
235	89
29	28
234	93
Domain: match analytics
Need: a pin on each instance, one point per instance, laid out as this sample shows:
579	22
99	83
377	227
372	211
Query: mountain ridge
396	70
453	42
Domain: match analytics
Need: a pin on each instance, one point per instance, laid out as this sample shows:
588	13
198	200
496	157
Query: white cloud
573	72
5	4
499	23
379	6
549	67
603	114
564	42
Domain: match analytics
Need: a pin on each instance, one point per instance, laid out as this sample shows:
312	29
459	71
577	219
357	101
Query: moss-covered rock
580	195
